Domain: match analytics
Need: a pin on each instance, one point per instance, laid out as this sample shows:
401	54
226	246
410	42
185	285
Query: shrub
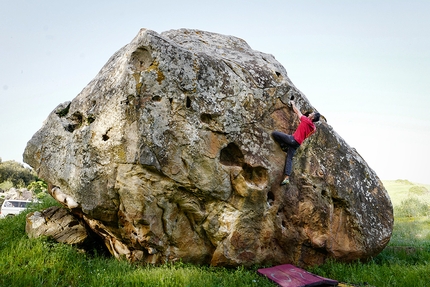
16	173
38	186
6	185
412	207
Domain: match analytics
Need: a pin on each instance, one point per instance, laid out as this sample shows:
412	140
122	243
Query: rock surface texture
167	155
57	223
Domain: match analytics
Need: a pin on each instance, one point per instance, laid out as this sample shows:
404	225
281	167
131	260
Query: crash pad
288	275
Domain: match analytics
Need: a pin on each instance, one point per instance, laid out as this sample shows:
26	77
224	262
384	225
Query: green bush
6	185
16	173
38	186
412	207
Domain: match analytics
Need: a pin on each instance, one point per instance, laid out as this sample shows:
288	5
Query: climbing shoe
285	181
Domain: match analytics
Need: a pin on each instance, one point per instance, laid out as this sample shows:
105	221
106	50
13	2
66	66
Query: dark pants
289	145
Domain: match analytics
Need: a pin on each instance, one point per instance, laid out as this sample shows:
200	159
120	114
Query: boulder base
57	223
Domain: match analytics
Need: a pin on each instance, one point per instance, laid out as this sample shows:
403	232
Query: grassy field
41	262
401	190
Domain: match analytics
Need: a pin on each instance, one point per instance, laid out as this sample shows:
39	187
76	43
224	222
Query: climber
290	143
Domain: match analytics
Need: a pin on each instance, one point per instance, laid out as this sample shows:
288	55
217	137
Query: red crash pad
288	275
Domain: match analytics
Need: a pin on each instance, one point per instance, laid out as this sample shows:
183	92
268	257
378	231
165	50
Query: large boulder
167	154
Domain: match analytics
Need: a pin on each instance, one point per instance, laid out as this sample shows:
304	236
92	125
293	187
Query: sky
364	65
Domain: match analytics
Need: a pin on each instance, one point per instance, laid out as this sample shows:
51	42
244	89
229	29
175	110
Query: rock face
57	223
167	155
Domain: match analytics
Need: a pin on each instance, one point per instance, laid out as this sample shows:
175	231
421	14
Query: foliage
16	173
41	195
38	186
412	207
63	112
6	185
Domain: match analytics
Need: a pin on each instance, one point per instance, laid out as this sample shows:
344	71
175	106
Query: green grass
41	262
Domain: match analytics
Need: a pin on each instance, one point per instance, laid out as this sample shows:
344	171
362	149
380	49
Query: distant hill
401	189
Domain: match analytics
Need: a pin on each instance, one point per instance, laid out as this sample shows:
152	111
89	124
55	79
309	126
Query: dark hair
316	117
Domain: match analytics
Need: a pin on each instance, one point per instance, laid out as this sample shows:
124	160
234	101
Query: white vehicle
12	207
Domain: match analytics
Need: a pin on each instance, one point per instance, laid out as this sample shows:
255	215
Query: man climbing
290	143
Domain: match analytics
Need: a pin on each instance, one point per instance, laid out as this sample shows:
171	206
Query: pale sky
364	65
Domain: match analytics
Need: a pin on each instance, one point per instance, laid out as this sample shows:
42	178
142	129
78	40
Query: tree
16	173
